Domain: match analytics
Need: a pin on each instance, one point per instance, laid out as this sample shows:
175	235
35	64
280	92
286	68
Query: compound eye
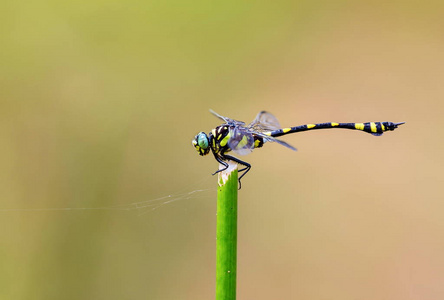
202	140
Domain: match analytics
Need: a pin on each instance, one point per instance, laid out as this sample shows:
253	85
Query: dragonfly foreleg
222	162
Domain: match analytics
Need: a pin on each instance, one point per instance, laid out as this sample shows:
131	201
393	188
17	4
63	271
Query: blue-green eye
202	140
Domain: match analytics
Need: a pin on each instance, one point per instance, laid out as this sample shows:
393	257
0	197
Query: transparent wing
264	121
227	120
241	140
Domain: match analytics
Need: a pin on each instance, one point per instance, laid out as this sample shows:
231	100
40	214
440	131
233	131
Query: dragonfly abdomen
375	128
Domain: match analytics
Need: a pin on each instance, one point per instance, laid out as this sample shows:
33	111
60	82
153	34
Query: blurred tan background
99	101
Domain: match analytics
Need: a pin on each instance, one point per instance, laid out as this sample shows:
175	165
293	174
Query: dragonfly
242	139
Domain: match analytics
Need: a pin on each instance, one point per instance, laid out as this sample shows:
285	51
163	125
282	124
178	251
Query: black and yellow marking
375	128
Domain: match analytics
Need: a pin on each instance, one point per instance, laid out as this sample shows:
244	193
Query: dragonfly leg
241	162
224	163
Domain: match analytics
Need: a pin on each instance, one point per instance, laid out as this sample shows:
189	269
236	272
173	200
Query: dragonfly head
202	143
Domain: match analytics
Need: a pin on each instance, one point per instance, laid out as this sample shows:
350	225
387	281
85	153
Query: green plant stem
226	234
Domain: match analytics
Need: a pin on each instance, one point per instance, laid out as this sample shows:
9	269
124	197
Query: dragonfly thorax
227	137
219	137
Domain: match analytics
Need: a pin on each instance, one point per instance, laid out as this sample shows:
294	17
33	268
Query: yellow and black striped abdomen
375	128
